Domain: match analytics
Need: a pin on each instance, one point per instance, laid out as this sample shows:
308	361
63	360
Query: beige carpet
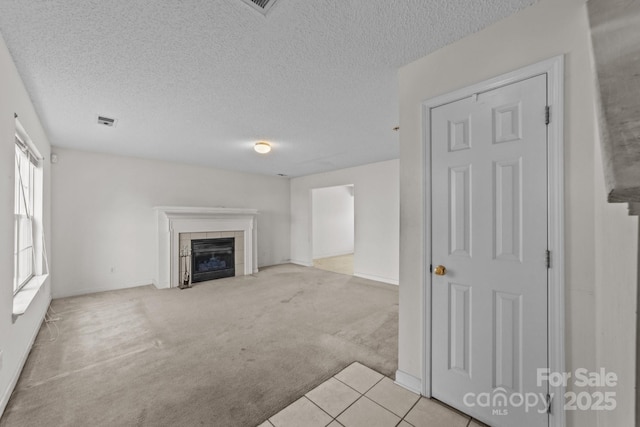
342	264
231	352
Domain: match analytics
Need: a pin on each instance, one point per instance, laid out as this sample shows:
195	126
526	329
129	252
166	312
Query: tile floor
338	264
361	397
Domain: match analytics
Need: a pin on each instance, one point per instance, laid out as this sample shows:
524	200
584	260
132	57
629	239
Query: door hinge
547	115
548	258
549	401
430	268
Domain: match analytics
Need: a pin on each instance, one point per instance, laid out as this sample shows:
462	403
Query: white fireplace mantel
173	220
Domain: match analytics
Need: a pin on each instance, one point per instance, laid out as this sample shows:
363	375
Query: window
25	206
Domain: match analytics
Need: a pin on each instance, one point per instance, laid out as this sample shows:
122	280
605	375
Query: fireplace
212	259
178	226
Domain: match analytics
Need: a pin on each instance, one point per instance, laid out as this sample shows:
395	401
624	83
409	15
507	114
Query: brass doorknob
440	270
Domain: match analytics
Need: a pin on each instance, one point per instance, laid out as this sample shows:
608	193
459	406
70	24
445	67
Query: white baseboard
302	263
333	254
85	291
408	381
378	278
16	376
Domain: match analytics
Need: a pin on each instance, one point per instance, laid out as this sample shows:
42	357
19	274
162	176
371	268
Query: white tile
302	412
359	377
367	413
428	413
198	236
333	396
228	234
239	244
393	397
239	234
213	235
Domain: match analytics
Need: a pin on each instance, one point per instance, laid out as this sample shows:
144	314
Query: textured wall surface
547	29
616	298
104	225
16	337
376	204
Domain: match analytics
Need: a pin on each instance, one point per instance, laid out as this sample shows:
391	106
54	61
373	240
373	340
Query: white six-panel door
489	229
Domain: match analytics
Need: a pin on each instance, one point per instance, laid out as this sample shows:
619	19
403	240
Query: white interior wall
105	229
16	338
546	29
616	298
376	188
333	221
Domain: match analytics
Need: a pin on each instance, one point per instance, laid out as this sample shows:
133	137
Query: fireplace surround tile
239	241
239	269
177	225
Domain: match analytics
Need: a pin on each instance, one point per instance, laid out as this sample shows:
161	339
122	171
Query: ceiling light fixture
262	147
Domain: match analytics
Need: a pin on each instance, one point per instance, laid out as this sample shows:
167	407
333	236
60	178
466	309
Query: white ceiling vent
262	6
106	121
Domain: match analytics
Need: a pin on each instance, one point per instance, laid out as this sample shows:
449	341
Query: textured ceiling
199	81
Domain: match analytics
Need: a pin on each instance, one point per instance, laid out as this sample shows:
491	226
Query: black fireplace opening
212	259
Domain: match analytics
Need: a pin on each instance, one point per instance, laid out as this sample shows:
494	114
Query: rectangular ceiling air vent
106	121
262	6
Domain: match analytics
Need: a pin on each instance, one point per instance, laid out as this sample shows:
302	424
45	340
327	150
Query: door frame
554	69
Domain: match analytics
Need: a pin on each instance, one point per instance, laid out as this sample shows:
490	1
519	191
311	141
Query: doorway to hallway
333	228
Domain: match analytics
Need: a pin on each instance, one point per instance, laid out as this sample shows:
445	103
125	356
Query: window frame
27	159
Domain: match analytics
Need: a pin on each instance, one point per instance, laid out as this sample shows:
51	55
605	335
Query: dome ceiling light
262	147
